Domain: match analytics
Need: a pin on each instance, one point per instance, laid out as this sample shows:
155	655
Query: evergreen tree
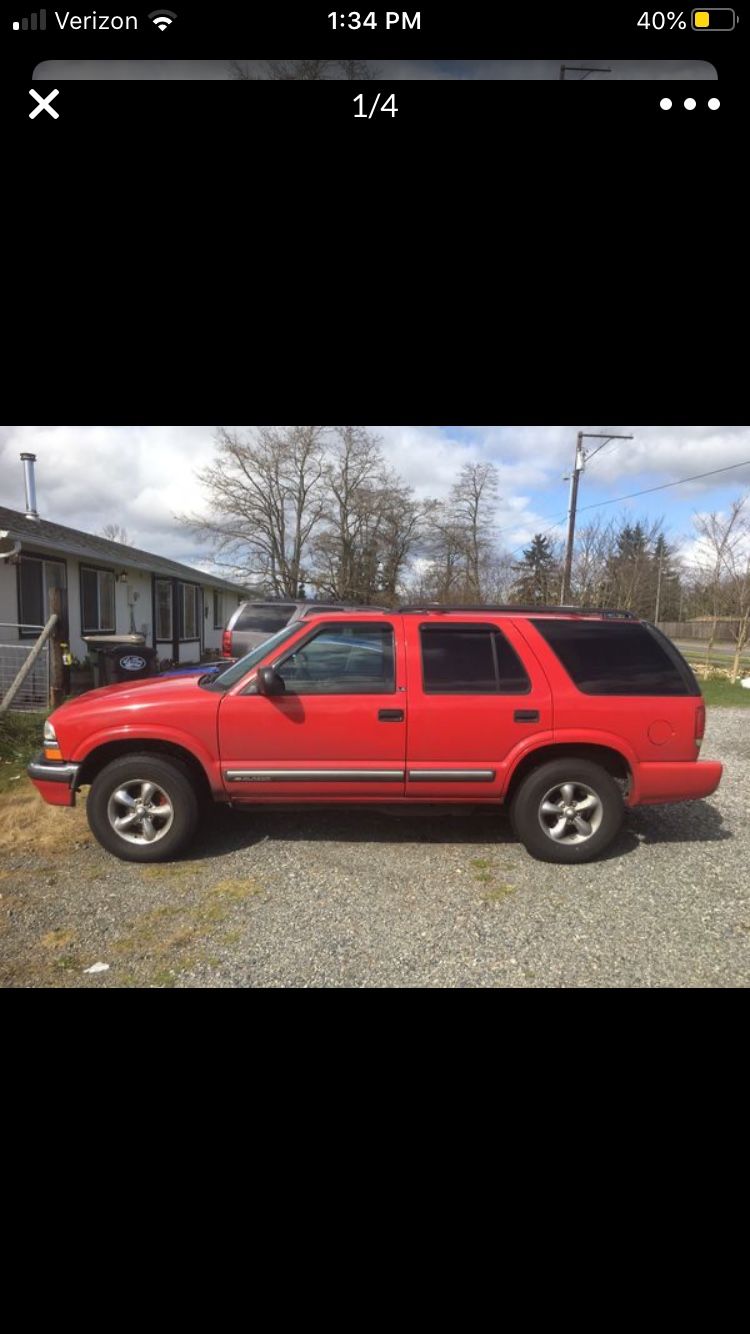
538	573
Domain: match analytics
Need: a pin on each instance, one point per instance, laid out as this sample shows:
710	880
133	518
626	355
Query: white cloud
142	476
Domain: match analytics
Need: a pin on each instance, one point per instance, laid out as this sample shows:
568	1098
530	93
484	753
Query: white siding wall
135	594
138	583
229	602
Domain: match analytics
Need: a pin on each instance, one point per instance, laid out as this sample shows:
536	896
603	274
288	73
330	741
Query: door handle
390	715
526	716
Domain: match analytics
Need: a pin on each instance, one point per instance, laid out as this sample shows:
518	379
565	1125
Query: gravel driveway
358	898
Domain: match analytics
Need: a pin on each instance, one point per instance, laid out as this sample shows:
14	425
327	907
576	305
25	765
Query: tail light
700	722
226	644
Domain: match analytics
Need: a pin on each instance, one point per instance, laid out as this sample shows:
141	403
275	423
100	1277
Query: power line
665	485
594	452
632	495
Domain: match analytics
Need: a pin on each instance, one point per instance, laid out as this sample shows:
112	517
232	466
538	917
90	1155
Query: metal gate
33	695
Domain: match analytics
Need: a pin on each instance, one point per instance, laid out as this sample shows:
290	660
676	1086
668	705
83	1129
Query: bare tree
265	500
725	563
470	499
721	537
442	577
371	522
593	550
114	532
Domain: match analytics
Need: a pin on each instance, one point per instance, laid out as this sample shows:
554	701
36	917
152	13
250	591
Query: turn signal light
52	753
700	721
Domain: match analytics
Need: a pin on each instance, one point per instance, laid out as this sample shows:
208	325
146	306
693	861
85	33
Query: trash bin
120	658
127	662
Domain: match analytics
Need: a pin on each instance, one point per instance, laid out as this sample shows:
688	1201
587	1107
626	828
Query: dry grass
26	821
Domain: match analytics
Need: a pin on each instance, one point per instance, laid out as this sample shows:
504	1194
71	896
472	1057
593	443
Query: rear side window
611	658
268	619
470	660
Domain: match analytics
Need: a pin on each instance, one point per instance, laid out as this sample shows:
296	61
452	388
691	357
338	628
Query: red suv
566	716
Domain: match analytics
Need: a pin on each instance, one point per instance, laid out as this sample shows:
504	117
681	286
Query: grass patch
498	893
170	871
170	938
722	694
20	741
26	821
58	939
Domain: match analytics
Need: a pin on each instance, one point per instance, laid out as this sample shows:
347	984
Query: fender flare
572	737
169	735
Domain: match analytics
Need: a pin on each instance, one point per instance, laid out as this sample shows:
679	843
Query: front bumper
658	783
55	780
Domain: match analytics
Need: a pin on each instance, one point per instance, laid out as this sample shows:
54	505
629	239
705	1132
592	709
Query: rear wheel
567	811
143	808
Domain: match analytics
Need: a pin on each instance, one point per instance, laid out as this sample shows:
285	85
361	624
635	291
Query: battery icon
714	20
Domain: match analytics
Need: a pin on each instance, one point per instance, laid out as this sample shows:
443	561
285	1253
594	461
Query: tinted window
610	658
268	619
342	660
470	660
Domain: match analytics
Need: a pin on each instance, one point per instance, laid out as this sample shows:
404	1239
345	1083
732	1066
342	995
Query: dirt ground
359	898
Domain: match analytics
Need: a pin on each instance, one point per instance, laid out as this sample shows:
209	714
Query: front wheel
143	808
567	811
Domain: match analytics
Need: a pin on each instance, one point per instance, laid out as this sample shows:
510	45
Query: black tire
171	780
528	818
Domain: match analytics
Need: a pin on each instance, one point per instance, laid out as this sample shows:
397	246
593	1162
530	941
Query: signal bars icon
31	23
162	18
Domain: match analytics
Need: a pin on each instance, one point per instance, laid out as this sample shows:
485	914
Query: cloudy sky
383	69
143	476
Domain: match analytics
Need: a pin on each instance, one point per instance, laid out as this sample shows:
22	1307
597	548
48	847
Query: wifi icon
162	18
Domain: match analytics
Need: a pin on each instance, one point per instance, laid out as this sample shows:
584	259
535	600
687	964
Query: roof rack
437	607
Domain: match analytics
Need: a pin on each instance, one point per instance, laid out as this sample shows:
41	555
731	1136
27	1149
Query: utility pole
578	466
658	590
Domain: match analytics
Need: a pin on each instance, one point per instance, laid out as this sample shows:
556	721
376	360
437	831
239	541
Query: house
108	587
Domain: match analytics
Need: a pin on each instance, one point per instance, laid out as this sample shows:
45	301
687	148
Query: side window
269	619
342	660
470	660
615	658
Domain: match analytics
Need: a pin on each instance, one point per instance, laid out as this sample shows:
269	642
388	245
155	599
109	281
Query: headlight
52	749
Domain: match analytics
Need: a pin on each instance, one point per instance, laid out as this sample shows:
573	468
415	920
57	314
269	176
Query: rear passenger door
478	699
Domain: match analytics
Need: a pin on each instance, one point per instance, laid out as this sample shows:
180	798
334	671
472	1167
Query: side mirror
269	682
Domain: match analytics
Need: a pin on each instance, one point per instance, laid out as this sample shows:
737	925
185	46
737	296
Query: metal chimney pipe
28	461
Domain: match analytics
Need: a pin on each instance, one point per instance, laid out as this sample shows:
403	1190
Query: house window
35	579
218	610
97	600
163	609
189	612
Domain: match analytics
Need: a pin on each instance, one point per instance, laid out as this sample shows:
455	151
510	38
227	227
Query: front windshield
230	675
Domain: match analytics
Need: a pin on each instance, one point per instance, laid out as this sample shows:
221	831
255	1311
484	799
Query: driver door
339	729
